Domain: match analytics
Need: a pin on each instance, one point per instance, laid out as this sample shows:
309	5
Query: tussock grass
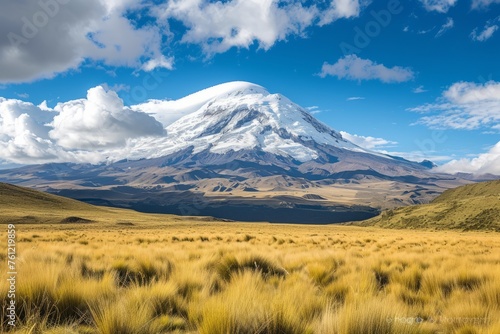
338	280
228	266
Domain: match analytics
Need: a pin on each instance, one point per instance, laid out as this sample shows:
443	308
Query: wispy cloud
441	6
354	68
445	27
23	95
425	31
485	34
479	4
465	105
419	90
368	142
313	110
355	98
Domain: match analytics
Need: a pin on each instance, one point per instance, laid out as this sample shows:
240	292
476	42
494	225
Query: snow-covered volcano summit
240	116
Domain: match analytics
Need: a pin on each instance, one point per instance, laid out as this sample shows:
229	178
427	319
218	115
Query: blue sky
420	79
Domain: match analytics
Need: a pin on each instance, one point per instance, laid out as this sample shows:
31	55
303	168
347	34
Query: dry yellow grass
210	277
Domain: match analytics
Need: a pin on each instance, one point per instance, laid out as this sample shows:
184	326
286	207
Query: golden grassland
183	276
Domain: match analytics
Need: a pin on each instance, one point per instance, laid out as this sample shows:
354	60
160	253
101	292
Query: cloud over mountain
75	131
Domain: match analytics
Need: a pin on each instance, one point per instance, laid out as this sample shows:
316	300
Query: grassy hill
20	198
20	205
470	207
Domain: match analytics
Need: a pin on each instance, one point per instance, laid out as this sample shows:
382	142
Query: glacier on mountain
238	116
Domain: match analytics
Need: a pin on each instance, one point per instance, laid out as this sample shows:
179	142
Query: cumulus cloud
85	130
486	163
441	6
465	105
219	26
354	68
47	37
100	121
23	133
370	143
445	27
485	34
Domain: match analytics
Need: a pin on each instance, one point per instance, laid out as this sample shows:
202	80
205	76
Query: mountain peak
169	111
239	116
234	87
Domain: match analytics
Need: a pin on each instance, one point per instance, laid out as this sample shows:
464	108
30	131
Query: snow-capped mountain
235	147
242	116
244	123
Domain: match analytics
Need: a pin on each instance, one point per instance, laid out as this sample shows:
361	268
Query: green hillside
470	207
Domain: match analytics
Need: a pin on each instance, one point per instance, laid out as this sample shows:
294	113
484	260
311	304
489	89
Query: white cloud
445	27
355	98
484	35
478	4
423	32
370	143
85	130
219	26
47	37
418	156
354	68
441	6
341	9
314	110
161	62
23	133
100	121
485	163
419	90
465	105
